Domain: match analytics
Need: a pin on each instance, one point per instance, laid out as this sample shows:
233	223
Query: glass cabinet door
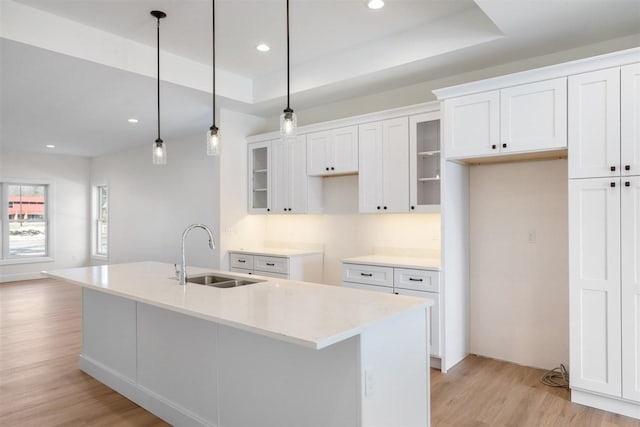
259	177
425	162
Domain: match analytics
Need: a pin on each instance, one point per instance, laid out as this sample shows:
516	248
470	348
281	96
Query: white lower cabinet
604	273
400	281
304	266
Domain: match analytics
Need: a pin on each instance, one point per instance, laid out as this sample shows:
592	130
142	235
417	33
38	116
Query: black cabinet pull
385	207
613	184
627	184
268	210
493	147
504	145
378	207
270	264
242	261
366	274
285	209
627	167
415	280
413	207
396	293
332	168
327	168
613	168
289	209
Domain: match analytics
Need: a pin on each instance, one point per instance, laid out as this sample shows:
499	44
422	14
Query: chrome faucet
182	274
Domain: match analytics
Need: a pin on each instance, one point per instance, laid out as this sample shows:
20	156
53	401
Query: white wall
237	228
150	206
69	177
421	92
520	290
346	233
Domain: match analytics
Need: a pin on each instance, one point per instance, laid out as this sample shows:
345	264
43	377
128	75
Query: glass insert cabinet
425	162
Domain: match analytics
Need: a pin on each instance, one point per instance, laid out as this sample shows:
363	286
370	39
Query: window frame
5	258
95	219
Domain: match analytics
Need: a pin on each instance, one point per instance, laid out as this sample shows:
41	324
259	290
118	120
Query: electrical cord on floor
557	377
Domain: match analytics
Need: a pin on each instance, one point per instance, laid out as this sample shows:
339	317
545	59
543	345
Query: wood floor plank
41	385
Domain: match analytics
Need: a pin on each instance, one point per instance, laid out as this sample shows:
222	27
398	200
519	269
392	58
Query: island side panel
177	366
395	372
108	337
271	383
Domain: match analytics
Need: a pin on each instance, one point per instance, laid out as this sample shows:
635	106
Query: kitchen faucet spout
182	274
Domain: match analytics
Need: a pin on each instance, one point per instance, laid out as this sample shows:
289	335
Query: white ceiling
340	50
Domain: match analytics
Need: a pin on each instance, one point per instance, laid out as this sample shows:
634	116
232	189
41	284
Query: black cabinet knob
493	147
613	168
327	168
378	207
504	145
396	293
627	167
627	184
332	168
613	184
285	209
385	207
413	207
268	210
289	209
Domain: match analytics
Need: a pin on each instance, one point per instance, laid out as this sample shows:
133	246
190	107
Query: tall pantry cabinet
604	237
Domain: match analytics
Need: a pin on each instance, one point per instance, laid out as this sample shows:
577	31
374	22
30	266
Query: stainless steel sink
218	281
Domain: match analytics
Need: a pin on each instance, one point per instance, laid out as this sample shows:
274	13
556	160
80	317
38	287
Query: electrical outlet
369	383
532	236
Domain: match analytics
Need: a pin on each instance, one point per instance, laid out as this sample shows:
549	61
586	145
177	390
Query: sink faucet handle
177	269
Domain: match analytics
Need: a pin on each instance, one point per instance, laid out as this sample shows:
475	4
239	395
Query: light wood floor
41	385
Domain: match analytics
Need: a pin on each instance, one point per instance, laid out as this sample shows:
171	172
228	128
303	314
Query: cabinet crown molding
614	59
354	120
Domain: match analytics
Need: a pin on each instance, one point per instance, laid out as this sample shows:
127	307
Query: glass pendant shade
213	141
159	154
288	124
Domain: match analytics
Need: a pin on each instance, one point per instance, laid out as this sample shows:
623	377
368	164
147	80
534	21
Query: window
25	229
101	221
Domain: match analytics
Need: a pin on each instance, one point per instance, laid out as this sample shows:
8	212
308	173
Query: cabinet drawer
274	275
367	274
241	261
271	264
417	280
372	288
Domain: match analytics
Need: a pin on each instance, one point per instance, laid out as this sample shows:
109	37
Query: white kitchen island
277	353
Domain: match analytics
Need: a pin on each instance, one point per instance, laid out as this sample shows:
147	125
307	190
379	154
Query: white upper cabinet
424	162
534	116
594	272
594	124
333	152
259	177
520	119
383	178
472	125
292	190
630	243
630	121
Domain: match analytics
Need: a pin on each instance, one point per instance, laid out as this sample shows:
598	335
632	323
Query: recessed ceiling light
133	120
375	4
50	146
263	47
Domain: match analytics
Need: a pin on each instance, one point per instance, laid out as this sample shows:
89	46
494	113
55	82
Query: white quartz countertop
307	314
395	261
280	252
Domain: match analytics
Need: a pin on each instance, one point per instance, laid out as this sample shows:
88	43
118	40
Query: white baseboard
16	277
152	402
609	404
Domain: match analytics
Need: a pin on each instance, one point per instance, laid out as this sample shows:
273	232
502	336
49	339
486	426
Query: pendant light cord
213	42
158	83
288	66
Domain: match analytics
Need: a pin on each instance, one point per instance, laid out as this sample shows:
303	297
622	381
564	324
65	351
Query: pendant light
288	119
159	153
213	135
